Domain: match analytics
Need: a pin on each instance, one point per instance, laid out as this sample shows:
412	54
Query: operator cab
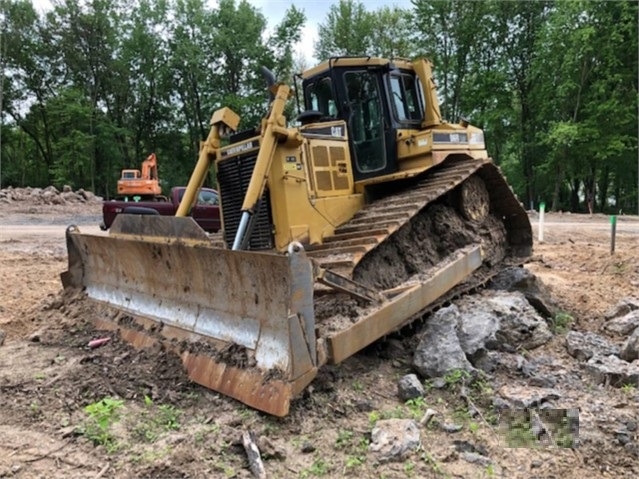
130	175
375	98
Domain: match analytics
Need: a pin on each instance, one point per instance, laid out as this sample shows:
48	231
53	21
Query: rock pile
483	348
47	196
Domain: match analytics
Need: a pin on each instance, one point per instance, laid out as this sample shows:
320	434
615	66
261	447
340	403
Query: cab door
368	124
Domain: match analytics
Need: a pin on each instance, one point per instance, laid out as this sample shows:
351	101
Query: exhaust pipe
269	76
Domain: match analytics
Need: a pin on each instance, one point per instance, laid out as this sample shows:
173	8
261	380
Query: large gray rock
519	396
511	363
525	282
477	329
583	346
623	307
630	348
520	325
613	371
502	321
394	439
439	351
459	336
623	325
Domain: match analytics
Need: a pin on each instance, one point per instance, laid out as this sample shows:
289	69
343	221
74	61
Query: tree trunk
574	195
559	179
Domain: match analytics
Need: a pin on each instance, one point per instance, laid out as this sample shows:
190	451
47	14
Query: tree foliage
93	86
552	83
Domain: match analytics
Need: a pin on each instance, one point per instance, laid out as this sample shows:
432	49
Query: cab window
319	97
407	98
203	197
365	120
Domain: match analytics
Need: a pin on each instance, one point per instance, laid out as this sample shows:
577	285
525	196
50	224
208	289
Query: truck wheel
139	210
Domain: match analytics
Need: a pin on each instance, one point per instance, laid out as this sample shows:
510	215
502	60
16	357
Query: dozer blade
242	322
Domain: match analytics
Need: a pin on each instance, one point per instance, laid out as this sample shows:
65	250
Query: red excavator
145	182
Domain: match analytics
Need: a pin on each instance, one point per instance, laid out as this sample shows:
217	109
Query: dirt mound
47	196
426	240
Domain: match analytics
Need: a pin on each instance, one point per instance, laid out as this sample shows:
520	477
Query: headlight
477	138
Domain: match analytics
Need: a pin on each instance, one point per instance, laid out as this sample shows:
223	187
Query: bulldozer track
394	232
378	220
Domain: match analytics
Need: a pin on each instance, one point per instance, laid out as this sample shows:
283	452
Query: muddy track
412	233
403	219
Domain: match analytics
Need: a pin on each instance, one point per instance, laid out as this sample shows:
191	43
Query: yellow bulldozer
366	214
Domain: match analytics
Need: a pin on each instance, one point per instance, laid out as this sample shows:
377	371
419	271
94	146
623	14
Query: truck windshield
204	197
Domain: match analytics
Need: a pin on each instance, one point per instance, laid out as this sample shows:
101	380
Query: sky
273	10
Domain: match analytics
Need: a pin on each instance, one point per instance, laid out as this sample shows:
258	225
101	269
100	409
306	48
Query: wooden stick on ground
253	454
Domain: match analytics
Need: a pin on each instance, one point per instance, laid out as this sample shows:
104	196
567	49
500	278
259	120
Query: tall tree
347	30
451	34
28	80
590	124
351	29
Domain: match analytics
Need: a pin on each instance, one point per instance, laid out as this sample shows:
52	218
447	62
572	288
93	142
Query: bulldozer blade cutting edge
242	322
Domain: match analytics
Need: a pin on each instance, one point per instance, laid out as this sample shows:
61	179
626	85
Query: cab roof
356	62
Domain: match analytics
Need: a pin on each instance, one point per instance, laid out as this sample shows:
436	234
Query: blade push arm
274	127
222	119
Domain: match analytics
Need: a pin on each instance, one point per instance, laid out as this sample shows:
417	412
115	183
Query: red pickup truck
206	211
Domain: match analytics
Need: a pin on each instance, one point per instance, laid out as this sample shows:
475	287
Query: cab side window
319	97
407	99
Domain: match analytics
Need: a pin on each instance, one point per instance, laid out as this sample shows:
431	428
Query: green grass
102	415
456	376
156	420
561	322
319	468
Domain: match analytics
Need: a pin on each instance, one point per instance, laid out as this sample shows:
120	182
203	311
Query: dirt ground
161	425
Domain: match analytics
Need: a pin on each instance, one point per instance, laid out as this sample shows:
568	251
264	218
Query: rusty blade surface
188	290
251	386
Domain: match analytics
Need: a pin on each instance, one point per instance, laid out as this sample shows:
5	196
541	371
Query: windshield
205	197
